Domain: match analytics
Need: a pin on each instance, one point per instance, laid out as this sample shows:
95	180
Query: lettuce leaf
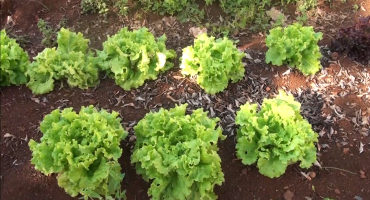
83	149
133	57
296	46
214	61
71	60
179	153
14	62
275	137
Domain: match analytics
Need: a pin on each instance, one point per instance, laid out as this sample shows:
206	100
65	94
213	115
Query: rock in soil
345	150
312	174
288	195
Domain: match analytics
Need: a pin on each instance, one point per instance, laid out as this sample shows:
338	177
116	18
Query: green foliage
295	45
100	6
14	62
49	33
122	6
131	57
275	137
191	13
179	153
215	62
251	12
83	149
166	6
71	60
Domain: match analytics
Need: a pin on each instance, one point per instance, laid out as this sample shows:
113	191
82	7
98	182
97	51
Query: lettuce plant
354	41
133	57
179	153
275	137
83	149
71	60
214	61
296	46
14	62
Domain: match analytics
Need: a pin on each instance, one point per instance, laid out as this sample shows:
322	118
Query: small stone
268	89
312	174
245	171
363	176
288	195
337	191
248	56
257	61
132	138
345	150
334	55
92	101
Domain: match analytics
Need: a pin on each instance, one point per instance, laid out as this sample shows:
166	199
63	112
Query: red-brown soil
338	147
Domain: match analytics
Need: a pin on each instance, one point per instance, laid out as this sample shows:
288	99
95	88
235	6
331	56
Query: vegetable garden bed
335	101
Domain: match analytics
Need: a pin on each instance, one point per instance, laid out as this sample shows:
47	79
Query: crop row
134	57
176	152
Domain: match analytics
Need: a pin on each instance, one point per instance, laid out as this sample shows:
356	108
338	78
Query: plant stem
339	169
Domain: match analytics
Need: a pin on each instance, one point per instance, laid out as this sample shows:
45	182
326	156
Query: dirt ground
336	101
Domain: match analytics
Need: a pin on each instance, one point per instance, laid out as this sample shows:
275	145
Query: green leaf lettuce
72	60
214	61
296	46
133	57
275	137
179	153
83	149
14	62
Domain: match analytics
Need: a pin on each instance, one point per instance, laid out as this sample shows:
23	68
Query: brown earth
336	102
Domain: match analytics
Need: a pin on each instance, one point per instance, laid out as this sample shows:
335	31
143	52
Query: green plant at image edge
83	149
14	62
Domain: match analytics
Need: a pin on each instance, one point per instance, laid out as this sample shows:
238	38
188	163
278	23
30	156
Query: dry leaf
364	120
9	135
37	100
195	31
318	164
25	139
306	176
361	149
